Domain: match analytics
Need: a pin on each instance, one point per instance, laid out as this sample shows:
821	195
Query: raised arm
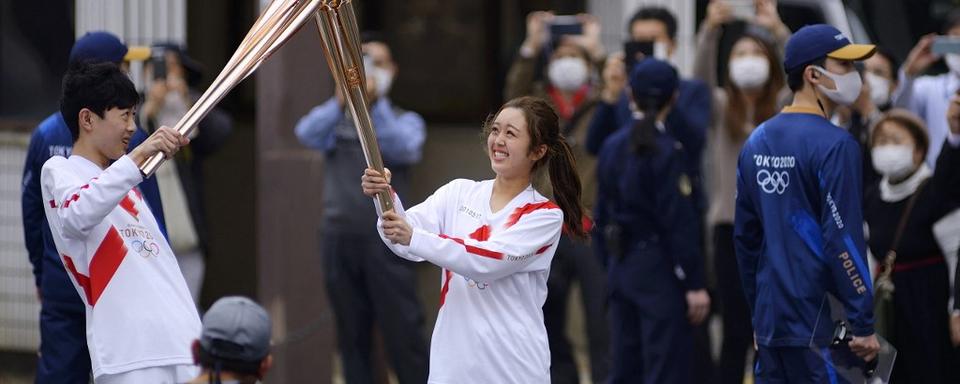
506	251
946	176
315	129
82	204
708	39
911	93
401	134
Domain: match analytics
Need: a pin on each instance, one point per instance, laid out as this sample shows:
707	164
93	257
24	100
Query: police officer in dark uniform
798	227
648	236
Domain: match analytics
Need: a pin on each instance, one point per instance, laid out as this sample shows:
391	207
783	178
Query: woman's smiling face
508	144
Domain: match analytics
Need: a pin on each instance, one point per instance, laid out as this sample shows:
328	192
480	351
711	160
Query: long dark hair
766	103
543	125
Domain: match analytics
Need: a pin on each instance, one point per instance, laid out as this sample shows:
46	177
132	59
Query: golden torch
341	46
278	21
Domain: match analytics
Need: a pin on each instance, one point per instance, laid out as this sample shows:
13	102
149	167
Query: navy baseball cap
236	328
813	42
653	78
101	46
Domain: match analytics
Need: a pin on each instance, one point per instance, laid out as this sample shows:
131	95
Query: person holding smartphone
171	92
690	116
929	96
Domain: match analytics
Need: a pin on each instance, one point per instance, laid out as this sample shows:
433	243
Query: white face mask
879	89
953	62
661	51
382	77
567	73
749	72
893	161
848	86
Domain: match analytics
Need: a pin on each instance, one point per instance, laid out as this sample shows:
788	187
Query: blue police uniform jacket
52	138
649	197
799	228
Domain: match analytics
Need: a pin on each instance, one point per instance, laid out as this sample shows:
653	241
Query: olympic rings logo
476	284
773	182
146	249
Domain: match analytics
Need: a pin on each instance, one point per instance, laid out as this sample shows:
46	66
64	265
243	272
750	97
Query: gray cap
236	328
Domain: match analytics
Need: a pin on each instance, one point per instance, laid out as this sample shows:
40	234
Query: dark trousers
920	327
737	329
575	261
651	344
801	365
64	357
651	337
367	283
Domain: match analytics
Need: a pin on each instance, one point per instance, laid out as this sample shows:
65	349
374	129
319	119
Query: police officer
798	228
648	239
64	357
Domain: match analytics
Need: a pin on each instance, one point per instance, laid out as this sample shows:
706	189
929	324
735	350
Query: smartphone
945	44
158	58
634	51
565	25
742	9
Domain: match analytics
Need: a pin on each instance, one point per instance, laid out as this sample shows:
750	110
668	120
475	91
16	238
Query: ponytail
566	186
544	128
644	134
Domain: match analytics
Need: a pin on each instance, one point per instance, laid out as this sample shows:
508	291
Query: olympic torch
279	20
341	45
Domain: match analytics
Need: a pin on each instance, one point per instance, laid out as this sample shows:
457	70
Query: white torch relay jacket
493	283
139	311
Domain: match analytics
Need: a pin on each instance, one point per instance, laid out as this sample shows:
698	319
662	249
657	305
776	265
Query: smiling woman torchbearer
494	240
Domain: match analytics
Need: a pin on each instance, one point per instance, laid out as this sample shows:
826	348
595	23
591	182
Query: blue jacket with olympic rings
799	228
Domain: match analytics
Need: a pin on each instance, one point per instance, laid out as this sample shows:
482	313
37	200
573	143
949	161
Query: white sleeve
427	215
504	253
80	205
910	93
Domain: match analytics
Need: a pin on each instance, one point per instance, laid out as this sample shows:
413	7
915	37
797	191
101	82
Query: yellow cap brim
137	53
854	52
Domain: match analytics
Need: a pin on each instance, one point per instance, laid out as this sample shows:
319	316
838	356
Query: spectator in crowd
569	85
690	115
879	82
234	345
900	211
174	78
365	283
647	228
752	91
928	96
